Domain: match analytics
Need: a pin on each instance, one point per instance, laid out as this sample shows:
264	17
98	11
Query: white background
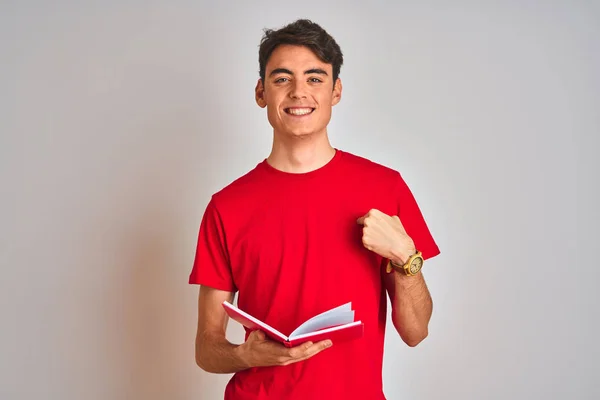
119	119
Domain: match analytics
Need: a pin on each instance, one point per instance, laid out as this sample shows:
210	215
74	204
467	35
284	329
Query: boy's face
298	92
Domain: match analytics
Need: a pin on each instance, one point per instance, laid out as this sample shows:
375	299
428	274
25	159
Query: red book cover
337	325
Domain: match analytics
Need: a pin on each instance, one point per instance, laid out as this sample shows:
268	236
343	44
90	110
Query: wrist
241	354
399	258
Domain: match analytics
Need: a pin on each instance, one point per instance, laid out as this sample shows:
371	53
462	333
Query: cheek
273	116
326	113
274	112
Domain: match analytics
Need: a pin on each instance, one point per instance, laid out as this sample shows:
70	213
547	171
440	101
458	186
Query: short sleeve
211	264
412	219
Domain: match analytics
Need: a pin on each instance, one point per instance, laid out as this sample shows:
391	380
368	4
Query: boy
309	228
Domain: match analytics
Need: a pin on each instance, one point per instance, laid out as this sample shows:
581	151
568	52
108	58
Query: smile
299	111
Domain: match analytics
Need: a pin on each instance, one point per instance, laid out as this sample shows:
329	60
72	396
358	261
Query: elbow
413	335
201	359
412	330
201	362
415	338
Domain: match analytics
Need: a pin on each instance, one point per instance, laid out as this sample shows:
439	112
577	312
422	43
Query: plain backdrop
119	119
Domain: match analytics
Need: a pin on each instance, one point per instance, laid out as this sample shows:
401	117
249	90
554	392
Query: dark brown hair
302	32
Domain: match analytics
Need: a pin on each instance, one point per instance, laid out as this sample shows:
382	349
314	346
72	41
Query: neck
300	155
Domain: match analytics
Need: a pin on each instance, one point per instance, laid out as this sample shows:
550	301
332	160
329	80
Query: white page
336	316
335	328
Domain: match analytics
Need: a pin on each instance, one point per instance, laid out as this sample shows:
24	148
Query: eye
315	80
281	80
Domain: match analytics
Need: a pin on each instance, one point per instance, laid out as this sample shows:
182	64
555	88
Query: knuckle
282	360
294	353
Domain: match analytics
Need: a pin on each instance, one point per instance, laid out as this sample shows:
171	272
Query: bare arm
214	353
411	305
410	298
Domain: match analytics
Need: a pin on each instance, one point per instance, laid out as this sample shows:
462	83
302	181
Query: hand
386	236
259	351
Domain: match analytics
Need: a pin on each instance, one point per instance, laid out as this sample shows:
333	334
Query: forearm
214	353
411	306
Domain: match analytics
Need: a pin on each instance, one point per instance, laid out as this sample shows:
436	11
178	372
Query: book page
344	332
336	316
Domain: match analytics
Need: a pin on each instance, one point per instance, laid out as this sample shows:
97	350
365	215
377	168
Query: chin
303	133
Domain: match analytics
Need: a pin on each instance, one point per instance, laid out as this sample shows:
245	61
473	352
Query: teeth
299	111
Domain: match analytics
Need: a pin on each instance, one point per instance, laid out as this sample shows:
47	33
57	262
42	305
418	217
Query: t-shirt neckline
325	169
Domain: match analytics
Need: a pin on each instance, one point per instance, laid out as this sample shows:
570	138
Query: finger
311	351
400	223
257	335
285	355
260	335
319	347
300	350
315	348
374	211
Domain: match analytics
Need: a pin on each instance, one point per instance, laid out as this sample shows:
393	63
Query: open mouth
296	111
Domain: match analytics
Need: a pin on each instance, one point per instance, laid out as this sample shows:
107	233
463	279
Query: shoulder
240	188
365	168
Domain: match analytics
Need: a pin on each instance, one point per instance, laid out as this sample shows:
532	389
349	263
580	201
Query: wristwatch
411	267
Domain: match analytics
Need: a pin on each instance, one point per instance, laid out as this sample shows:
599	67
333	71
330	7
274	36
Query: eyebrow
307	72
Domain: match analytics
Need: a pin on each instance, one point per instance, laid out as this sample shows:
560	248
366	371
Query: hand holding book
260	351
266	346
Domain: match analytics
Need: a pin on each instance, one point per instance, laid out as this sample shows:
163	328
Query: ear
259	94
337	92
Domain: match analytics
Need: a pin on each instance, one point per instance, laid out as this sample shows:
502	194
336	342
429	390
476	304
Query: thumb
257	335
361	220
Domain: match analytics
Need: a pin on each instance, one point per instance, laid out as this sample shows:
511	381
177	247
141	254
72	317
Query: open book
336	324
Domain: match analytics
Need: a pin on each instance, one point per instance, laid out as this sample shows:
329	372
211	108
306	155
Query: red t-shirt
290	244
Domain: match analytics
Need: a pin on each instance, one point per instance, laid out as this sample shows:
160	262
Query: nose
298	89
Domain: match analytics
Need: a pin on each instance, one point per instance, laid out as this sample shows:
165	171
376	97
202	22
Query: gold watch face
415	265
